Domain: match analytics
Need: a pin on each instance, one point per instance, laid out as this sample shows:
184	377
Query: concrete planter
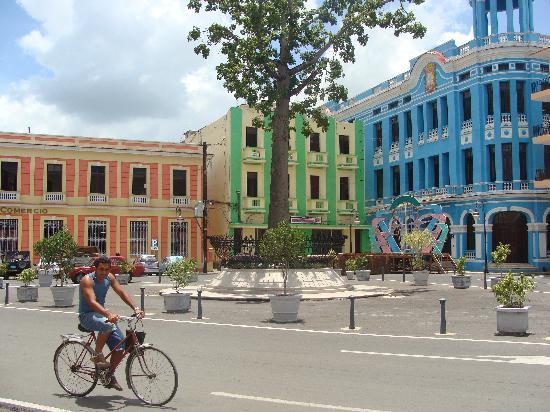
362	274
421	277
123	278
1	283
45	278
177	302
494	280
350	275
194	277
63	296
27	293
512	320
461	282
285	308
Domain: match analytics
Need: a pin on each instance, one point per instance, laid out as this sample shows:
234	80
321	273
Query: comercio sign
22	210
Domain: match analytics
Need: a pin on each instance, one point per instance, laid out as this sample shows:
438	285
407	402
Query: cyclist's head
102	264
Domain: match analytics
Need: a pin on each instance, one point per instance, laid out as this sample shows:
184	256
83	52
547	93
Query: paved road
238	361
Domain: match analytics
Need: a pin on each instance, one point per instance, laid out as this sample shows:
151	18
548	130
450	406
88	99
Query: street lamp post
354	218
476	214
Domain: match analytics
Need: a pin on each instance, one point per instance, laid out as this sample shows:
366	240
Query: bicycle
145	367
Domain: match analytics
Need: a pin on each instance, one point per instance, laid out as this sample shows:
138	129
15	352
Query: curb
20	406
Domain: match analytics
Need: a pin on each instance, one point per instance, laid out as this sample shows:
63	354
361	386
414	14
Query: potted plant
283	247
61	249
180	273
46	273
351	267
460	279
418	240
500	256
511	293
3	271
362	272
332	257
27	292
125	272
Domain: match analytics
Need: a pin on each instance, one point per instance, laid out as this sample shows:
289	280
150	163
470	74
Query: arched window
470	233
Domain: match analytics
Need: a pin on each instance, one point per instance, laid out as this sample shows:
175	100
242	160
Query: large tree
284	58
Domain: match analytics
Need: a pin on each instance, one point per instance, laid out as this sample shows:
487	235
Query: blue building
457	130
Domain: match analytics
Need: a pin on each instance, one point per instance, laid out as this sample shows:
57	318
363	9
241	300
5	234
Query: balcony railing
421	139
317	205
542	174
408	142
317	159
179	200
490	123
524	186
346	206
394	147
253	204
467	126
346	161
54	197
507	186
140	199
470	254
253	154
97	198
506	120
468	189
433	136
445	133
522	120
491	187
9	196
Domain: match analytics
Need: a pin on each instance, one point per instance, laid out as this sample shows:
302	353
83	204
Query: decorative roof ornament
431	78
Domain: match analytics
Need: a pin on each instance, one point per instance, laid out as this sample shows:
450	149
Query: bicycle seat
83	329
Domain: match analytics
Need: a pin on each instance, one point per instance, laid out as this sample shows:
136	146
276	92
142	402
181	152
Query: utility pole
205	212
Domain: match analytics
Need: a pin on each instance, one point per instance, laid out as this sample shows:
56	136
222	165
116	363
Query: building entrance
511	228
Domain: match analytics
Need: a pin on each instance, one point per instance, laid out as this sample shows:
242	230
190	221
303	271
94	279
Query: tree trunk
278	206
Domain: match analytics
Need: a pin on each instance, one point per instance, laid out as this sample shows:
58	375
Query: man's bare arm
122	293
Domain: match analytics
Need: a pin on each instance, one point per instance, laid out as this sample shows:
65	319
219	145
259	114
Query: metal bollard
142	298
443	324
7	293
160	277
199	304
352	312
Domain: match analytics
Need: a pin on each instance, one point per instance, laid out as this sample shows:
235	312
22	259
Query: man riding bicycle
94	317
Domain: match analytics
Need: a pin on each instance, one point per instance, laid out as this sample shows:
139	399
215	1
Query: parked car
149	262
41	267
17	262
115	269
167	260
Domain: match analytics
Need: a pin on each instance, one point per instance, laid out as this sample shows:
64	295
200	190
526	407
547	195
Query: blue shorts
98	323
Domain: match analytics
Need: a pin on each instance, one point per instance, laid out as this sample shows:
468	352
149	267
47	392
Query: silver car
167	260
150	264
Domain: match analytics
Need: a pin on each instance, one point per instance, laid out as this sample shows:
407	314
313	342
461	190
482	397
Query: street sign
305	220
154	244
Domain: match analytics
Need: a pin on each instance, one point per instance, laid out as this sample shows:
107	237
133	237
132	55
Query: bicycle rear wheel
74	370
152	376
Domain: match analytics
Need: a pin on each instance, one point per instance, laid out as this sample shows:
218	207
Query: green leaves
180	272
460	265
59	248
3	269
26	276
512	293
500	254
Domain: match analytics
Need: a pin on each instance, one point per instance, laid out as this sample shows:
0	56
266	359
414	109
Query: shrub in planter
511	293
418	240
362	271
180	273
125	275
3	271
351	267
332	257
461	280
27	292
500	256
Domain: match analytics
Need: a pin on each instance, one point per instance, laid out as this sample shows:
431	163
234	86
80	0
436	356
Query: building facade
325	174
457	129
127	197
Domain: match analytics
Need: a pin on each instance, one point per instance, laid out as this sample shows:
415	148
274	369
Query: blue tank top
100	290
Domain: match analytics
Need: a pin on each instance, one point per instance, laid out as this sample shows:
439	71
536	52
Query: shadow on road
110	402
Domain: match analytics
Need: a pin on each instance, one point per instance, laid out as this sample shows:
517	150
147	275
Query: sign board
154	244
305	220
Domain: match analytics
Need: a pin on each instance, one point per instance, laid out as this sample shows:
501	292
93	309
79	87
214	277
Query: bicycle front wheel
74	370
152	376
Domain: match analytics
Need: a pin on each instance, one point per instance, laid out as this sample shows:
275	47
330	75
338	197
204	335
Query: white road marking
523	360
322	332
29	406
293	403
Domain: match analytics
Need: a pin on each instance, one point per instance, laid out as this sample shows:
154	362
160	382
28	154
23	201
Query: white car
167	260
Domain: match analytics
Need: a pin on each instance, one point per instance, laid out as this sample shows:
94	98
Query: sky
124	68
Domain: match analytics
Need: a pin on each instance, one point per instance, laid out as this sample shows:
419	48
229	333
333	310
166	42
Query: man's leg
101	339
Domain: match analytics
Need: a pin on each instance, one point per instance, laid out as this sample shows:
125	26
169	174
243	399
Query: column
414	120
531	21
478	137
515	141
453	121
402	138
457	248
538	231
509	16
439	116
483	240
494	18
523	16
498	151
385	152
442	176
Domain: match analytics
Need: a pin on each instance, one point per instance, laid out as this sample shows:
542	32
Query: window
393	105
422	173
139	237
344	144
420	118
378	134
314	144
314	186
97	179
344	188
376	112
139	181
97	235
523	161
492	164
179	182
470	233
489	90
396	180
8	176
9	235
408	123
520	96
435	164
504	97
394	129
463	76
410	177
544	68
507	162
466	104
54	182
252	184
520	66
251	137
503	66
51	227
407	99
487	69
178	242
379	183
435	121
468	167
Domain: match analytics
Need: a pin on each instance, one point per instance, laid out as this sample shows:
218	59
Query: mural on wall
431	79
405	214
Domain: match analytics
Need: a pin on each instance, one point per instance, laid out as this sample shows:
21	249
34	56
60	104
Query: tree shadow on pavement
110	402
410	292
